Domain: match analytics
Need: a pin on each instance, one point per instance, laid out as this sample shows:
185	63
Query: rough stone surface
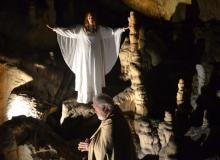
155	138
152	8
22	136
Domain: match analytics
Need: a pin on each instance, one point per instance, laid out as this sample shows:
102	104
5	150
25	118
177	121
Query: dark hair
90	28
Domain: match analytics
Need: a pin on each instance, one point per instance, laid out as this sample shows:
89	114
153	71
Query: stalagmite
180	93
134	70
156	138
135	67
166	136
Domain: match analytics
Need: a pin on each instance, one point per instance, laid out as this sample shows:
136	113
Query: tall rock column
3	91
135	67
180	93
156	8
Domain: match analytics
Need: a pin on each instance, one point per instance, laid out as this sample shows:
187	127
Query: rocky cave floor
53	123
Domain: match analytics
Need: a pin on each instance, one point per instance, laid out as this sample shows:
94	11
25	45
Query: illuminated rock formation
180	93
133	70
25	138
155	138
156	8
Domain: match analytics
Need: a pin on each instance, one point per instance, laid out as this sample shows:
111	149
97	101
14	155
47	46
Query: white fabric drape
90	57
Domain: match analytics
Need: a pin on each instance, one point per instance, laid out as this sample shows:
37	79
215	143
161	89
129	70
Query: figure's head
103	106
90	22
90	18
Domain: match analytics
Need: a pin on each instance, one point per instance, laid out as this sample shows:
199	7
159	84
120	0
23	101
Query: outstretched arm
63	31
49	27
119	30
107	32
125	28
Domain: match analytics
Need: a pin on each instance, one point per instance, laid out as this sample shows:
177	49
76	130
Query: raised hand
125	28
49	27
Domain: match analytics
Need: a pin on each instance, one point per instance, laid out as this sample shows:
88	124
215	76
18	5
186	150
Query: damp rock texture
155	138
29	138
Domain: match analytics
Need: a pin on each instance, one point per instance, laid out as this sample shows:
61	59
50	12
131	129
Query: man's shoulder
107	122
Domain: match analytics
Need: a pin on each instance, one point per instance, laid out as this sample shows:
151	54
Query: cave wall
173	50
187	39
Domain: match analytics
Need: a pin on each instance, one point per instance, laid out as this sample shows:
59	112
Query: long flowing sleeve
67	40
111	44
70	33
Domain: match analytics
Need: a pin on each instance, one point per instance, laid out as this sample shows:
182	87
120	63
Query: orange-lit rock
156	8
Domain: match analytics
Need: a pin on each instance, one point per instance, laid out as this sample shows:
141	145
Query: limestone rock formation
28	137
133	64
200	79
148	139
154	8
125	57
71	109
155	138
3	88
180	93
166	136
24	104
27	90
125	100
203	131
11	77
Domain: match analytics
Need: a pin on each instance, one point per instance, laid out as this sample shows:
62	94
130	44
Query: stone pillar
180	93
135	67
3	91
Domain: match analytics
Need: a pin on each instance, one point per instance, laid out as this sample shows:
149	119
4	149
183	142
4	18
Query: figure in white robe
90	56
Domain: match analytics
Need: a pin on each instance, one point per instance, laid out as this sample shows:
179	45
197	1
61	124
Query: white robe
90	57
